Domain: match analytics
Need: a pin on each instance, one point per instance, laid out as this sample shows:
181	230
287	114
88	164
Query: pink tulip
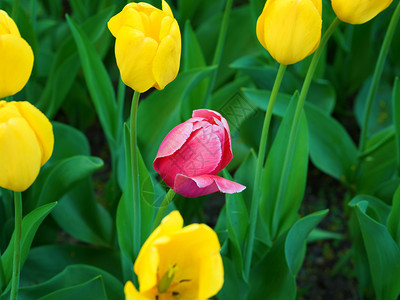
192	154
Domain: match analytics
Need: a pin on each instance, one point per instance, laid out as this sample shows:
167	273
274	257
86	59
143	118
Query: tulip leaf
193	59
331	148
151	131
30	224
45	262
393	223
377	209
378	162
65	65
71	276
275	275
99	84
91	289
80	215
383	254
59	179
291	182
396	118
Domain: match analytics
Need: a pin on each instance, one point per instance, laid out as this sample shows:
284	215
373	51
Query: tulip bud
147	46
194	152
16	58
290	30
26	144
358	11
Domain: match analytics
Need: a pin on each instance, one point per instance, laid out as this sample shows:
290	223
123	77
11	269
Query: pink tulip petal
207	114
175	139
197	186
200	154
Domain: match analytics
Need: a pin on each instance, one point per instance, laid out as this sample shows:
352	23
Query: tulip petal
358	12
131	293
7	25
174	140
290	30
167	59
16	61
146	264
41	126
20	155
200	154
197	186
134	53
167	9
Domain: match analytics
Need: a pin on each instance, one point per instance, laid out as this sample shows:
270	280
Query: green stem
17	245
377	76
135	175
218	52
169	197
295	124
260	164
14	14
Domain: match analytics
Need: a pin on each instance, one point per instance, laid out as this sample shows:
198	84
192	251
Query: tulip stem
135	175
260	164
218	52
15	11
17	245
295	126
377	76
169	197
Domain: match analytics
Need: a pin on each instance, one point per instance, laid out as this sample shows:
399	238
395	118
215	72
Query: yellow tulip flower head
358	11
26	144
16	58
147	46
178	263
290	30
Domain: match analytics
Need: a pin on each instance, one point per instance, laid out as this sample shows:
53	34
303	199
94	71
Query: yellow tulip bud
147	46
26	144
16	58
290	30
358	11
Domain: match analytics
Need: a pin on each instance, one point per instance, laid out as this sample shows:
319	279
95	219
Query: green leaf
79	214
66	64
192	58
275	276
377	209
383	255
331	148
45	262
92	289
292	182
72	276
60	178
100	87
393	223
396	118
151	130
30	224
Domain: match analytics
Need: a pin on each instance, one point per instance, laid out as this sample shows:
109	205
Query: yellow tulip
178	263
16	58
358	11
26	144
147	46
290	30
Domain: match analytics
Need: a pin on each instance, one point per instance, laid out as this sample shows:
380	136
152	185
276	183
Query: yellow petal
16	61
167	9
290	29
167	60
146	265
7	25
131	293
135	53
41	126
20	155
358	11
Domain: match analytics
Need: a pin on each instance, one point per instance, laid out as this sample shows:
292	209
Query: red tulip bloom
192	154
